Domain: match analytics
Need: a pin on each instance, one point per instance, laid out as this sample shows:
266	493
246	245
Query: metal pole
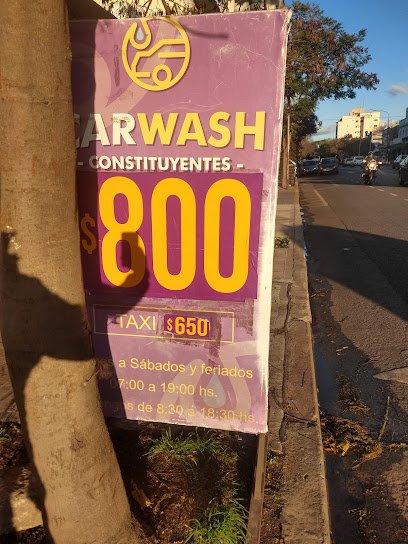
388	132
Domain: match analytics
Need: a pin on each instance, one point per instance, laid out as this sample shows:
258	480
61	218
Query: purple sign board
178	125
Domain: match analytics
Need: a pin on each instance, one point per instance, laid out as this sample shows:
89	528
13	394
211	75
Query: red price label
181	325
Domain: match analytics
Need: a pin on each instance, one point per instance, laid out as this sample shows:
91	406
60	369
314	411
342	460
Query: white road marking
382	190
320	197
406	199
371	187
393	194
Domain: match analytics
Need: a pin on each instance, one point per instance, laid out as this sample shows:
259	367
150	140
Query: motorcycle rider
367	160
370	158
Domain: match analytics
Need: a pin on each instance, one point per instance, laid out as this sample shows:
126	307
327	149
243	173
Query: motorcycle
370	170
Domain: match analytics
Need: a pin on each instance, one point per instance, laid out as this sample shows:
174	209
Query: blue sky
387	41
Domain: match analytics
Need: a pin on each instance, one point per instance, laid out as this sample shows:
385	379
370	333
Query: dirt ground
165	492
271	529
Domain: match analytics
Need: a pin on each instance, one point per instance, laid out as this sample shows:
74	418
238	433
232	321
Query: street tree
43	320
144	8
323	61
303	122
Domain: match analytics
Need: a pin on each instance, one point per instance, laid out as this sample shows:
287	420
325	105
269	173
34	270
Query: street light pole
388	132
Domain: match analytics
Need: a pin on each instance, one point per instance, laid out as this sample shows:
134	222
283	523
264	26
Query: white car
396	163
358	161
348	161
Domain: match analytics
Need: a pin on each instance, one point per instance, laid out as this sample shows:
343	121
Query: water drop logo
156	53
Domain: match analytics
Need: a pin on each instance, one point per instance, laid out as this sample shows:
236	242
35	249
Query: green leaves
324	61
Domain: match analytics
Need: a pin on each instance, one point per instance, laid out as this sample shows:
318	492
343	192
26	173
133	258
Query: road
357	248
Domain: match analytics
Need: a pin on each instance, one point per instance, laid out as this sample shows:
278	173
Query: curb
294	411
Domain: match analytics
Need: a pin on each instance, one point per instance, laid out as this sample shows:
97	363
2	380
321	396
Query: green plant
186	449
272	459
4	434
282	242
225	524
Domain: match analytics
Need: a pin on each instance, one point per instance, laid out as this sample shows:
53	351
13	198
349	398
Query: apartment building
358	124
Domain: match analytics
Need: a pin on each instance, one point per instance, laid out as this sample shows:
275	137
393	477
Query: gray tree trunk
43	322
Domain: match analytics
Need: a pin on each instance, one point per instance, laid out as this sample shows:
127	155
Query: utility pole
388	132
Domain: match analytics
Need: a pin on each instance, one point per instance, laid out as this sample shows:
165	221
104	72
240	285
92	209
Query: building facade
403	128
358	124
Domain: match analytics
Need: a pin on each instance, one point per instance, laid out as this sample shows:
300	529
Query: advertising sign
178	126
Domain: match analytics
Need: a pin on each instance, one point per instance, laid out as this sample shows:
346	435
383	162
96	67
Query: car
309	167
358	161
348	161
403	171
329	165
396	162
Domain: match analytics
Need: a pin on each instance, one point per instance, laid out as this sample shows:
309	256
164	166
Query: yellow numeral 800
180	189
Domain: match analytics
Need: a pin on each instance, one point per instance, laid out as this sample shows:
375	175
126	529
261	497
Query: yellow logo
160	61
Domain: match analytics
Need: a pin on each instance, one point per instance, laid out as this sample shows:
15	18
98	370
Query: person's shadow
43	336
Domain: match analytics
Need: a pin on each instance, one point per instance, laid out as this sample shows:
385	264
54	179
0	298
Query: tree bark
43	321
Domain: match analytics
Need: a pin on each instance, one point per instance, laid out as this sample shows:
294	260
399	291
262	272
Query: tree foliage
323	60
303	123
143	8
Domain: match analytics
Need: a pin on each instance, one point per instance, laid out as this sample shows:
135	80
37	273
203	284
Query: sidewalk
294	425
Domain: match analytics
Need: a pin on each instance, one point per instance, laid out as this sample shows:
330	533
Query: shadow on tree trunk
43	337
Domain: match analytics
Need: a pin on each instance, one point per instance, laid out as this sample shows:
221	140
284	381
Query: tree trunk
43	322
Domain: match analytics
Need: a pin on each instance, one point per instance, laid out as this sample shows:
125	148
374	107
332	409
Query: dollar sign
89	244
169	324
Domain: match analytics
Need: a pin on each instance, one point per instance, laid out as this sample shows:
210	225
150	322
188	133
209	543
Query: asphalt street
357	248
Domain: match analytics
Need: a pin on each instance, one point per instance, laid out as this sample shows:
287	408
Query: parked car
358	161
348	161
329	165
397	161
403	171
308	167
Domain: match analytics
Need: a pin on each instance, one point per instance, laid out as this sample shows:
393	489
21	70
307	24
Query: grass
282	242
186	448
272	459
8	431
225	524
4	433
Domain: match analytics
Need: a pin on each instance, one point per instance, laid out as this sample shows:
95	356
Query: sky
387	41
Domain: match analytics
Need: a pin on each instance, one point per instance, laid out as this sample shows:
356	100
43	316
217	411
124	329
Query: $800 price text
190	261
